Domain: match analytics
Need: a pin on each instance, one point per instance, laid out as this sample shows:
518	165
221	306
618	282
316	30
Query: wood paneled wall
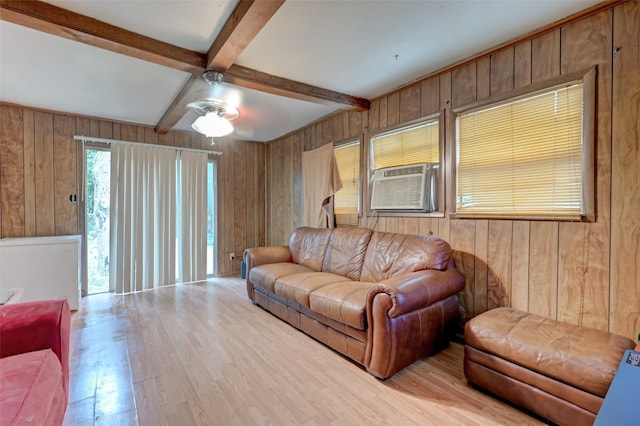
284	169
41	165
584	273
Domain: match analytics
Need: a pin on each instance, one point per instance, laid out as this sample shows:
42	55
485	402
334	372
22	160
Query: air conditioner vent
404	188
403	171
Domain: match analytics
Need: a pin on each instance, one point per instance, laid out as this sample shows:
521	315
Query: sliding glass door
212	251
97	208
97	215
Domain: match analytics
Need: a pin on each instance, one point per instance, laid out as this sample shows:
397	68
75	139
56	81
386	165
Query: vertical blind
522	157
409	145
192	215
346	201
142	218
158	207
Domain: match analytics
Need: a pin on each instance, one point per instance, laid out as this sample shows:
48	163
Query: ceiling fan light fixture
213	121
213	78
212	125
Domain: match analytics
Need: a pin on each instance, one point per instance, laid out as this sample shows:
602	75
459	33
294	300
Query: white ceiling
345	46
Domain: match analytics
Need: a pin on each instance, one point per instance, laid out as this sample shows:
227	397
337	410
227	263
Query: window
396	189
408	145
528	156
347	200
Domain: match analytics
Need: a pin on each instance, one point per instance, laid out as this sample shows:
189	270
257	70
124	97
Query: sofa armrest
257	256
33	326
417	290
410	316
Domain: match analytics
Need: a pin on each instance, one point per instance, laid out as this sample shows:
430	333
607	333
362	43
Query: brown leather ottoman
557	370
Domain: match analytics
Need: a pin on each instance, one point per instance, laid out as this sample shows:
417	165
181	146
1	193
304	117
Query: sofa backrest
309	245
346	250
364	255
391	254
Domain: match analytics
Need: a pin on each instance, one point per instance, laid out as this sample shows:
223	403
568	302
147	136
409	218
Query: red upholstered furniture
34	362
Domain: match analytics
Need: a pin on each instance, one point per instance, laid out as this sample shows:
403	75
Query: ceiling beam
263	82
258	80
74	26
177	109
245	22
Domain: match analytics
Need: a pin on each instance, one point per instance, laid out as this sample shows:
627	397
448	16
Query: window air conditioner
405	188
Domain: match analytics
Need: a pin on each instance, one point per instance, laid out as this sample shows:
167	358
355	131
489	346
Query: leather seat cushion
579	356
31	390
344	302
298	287
265	276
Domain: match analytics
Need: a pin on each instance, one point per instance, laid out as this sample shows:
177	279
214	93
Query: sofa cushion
32	326
346	250
298	287
391	254
309	245
582	357
343	301
31	389
265	276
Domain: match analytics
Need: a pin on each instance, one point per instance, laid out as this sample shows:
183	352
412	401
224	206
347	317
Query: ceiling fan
214	115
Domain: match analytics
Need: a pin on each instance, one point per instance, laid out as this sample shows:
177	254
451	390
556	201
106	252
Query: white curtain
143	218
192	248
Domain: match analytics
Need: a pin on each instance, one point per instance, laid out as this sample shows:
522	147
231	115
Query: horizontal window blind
409	145
346	201
523	157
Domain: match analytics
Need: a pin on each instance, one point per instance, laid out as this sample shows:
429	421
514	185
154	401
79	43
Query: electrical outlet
232	256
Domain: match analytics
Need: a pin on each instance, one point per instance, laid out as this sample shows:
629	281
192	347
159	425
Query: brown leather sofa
558	370
382	299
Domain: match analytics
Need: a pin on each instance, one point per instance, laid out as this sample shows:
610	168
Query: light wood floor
204	355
